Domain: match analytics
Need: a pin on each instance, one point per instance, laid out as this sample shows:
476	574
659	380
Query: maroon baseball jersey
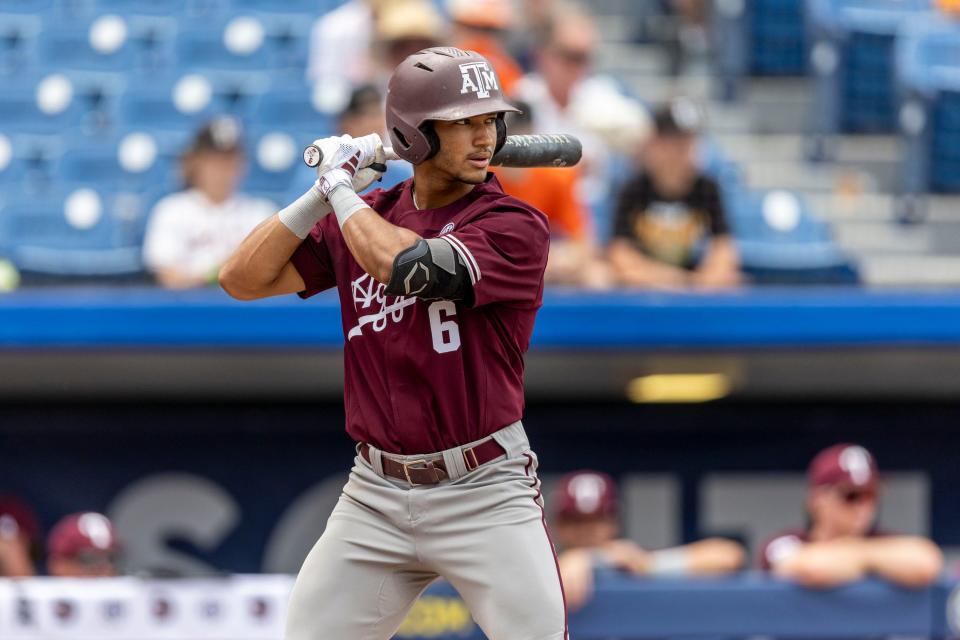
780	546
426	375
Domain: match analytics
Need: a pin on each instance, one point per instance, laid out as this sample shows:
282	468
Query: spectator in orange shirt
481	25
554	191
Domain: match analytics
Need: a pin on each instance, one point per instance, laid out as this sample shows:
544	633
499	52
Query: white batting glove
347	153
366	177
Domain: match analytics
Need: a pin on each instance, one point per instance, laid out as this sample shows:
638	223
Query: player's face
670	161
216	174
90	564
576	533
466	147
844	511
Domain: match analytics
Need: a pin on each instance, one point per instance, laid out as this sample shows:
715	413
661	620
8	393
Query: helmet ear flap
433	140
501	132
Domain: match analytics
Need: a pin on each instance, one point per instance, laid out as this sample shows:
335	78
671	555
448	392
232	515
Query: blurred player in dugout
191	233
670	229
841	542
19	539
587	532
83	545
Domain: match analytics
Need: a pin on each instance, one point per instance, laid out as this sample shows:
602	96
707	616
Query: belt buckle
413	463
470	458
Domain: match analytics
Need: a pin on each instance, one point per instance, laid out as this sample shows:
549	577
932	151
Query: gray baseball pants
483	531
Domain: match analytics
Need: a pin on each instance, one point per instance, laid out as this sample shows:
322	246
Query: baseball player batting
440	279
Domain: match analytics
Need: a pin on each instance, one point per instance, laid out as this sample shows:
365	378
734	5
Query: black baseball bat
534	150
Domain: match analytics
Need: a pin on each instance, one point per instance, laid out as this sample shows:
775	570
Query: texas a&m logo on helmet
479	78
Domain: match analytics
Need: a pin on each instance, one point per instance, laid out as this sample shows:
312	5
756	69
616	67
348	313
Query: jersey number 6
445	333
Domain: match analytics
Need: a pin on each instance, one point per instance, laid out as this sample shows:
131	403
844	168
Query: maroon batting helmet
440	83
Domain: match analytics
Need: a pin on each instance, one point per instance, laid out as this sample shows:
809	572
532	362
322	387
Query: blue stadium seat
928	73
19	37
187	9
184	102
781	241
287	39
27	6
239	43
293	106
78	232
27	161
275	158
110	42
852	59
760	37
41	105
314	7
133	161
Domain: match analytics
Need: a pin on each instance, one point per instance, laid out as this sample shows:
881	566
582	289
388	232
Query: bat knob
312	156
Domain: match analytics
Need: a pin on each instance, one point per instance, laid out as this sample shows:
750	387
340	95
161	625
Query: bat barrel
539	150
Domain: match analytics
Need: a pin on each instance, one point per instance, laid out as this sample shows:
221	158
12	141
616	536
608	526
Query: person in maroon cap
83	545
19	538
587	529
440	279
842	542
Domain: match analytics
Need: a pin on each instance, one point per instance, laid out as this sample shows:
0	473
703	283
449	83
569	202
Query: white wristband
345	202
669	562
302	214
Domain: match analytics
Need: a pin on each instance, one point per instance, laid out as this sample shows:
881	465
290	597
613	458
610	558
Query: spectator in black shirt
670	230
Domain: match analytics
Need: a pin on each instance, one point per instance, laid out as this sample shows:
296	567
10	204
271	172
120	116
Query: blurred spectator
482	26
688	37
365	114
569	98
841	542
19	538
533	25
404	27
191	233
341	45
949	7
83	545
670	229
573	252
586	530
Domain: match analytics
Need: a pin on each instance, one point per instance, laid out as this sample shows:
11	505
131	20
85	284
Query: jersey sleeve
505	252
313	261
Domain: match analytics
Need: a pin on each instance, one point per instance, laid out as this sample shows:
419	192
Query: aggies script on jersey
426	375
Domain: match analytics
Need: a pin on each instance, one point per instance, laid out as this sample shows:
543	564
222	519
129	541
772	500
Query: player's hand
576	571
367	176
348	153
626	555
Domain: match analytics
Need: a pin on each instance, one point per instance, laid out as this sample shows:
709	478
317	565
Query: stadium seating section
102	95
